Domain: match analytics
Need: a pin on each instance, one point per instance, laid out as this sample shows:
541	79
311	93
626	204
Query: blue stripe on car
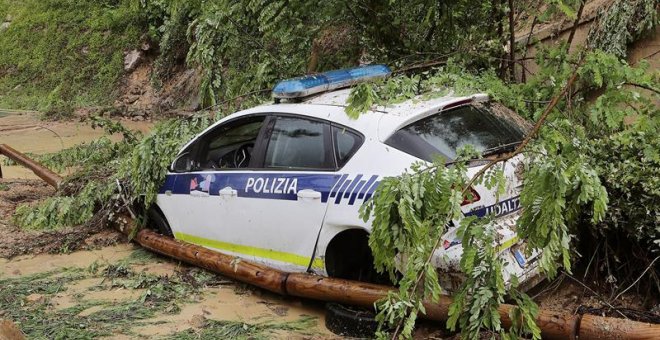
333	191
272	185
502	208
367	187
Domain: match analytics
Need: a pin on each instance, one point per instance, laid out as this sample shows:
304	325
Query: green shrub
66	48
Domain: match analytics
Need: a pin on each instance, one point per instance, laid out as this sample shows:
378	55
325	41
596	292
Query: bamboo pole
553	325
44	173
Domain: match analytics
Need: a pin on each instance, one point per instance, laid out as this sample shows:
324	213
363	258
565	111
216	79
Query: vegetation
61	54
591	179
214	329
565	192
28	300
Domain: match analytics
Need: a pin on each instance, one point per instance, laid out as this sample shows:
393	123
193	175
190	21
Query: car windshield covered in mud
281	184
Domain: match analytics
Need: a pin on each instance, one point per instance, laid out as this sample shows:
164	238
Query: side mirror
182	163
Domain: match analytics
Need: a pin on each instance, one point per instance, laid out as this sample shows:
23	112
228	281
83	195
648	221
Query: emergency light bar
326	81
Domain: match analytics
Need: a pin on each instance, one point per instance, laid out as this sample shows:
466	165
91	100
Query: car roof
380	122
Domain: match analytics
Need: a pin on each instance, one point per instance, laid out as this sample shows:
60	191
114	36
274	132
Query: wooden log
38	169
230	266
599	327
553	325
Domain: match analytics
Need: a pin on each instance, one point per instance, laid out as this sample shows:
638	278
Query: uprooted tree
592	187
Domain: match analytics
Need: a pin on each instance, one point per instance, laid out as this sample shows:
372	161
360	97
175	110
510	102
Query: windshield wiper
500	148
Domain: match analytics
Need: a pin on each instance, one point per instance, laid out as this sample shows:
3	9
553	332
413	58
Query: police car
281	184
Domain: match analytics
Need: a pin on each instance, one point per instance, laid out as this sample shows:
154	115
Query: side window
346	143
230	146
299	144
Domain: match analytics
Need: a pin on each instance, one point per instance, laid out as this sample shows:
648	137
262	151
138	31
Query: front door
260	191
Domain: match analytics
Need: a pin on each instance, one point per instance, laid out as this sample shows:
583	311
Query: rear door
288	195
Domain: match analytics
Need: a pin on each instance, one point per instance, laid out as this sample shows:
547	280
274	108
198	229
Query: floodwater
227	302
26	133
230	301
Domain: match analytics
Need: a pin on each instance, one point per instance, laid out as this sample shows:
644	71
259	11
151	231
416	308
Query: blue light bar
327	81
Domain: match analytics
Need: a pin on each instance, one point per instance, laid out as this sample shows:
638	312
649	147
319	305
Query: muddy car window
444	133
299	143
231	146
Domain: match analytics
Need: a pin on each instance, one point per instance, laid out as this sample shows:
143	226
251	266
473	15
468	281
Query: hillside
57	55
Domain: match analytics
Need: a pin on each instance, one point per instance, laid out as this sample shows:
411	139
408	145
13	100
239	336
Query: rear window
346	143
444	133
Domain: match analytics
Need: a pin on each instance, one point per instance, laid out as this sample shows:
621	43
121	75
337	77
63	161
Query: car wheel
157	221
350	321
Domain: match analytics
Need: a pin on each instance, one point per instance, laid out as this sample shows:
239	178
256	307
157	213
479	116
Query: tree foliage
591	166
564	190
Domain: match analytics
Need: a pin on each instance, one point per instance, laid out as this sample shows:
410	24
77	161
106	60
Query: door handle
228	192
309	194
197	193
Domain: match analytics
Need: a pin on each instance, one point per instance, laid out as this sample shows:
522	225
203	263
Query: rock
132	59
131	100
198	321
194	104
5	25
9	331
34	298
138	113
166	103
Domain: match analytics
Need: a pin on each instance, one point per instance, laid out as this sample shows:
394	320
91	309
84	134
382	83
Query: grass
158	295
214	329
57	54
40	321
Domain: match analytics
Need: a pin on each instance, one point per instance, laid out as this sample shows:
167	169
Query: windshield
444	133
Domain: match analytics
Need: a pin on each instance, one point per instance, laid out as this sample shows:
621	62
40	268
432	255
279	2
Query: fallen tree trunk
553	325
44	173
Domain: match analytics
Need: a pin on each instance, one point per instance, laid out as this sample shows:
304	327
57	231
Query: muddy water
25	132
229	301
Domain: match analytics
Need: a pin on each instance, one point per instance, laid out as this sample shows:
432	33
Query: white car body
286	218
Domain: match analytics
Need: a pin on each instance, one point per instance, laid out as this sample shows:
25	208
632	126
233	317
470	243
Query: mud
226	301
24	253
26	133
15	241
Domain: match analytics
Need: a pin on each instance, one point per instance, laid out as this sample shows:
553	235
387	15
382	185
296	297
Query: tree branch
576	23
645	87
532	134
512	44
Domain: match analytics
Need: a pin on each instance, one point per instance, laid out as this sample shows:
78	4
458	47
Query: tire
158	222
350	321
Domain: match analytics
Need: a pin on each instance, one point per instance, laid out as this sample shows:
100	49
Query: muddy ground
106	286
93	283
